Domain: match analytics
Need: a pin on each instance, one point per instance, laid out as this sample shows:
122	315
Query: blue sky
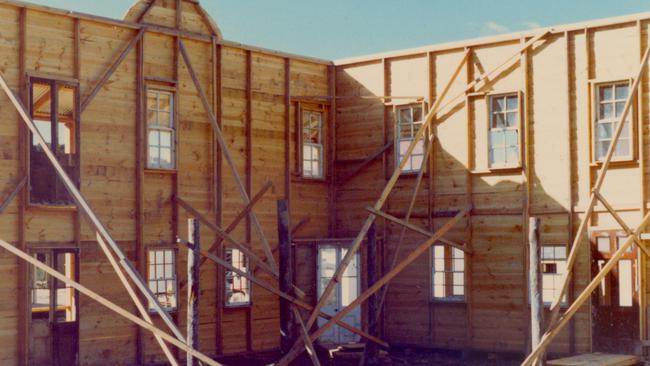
345	28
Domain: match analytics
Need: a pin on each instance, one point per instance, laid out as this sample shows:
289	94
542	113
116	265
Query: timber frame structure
91	207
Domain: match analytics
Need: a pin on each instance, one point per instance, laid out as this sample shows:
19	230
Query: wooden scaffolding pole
535	282
193	286
108	304
396	174
304	333
421	249
226	154
88	211
286	296
578	239
551	333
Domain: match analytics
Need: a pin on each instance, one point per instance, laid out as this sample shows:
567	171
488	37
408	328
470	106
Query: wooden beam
421	249
24	308
144	313
552	332
575	247
286	296
364	163
227	155
193	286
371	352
145	11
106	303
111	69
417	229
304	333
83	205
10	197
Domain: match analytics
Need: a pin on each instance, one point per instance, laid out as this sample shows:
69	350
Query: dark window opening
54	109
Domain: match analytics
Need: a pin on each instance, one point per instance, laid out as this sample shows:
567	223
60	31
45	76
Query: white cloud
532	25
494	27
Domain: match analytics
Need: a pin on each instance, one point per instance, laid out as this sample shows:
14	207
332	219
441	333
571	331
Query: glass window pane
601	149
513	155
164	102
560	252
404	115
164	119
165	157
512	118
459	265
348	290
459	279
497	138
154	138
45	129
498	120
603	244
499	156
625	283
605	93
165	139
417	114
622	148
604	130
606	111
513	103
512	138
621	91
620	106
169	256
438	291
459	290
498	104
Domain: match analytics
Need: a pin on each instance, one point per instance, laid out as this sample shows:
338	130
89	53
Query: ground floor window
553	268
162	277
237	286
448	273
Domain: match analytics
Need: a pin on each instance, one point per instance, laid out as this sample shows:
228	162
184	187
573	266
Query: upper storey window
504	131
313	154
409	120
160	130
54	110
610	102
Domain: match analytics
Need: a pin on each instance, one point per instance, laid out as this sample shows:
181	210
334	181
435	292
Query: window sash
155	150
312	165
404	139
605	123
235	283
504	138
162	277
448	273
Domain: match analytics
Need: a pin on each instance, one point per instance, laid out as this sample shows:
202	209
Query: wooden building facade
126	106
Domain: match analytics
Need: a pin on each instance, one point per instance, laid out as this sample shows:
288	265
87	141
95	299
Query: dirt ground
396	357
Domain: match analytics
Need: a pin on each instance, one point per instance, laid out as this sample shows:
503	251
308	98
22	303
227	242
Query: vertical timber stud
287	131
535	282
23	295
469	198
193	290
331	134
139	183
286	275
219	192
370	356
524	65
249	178
643	301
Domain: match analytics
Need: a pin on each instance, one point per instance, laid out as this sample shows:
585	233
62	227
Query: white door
329	258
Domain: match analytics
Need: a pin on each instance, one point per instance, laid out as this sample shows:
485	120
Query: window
160	126
54	112
62	306
504	131
553	268
610	102
448	273
162	277
409	121
312	144
237	286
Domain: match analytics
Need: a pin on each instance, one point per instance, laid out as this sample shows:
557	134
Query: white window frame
560	267
412	165
236	277
598	120
157	127
443	282
307	143
504	130
164	277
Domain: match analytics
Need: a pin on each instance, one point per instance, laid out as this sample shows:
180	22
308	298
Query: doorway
615	309
54	331
347	290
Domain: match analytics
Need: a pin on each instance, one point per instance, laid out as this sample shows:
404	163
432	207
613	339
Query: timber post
535	282
370	357
286	275
193	263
